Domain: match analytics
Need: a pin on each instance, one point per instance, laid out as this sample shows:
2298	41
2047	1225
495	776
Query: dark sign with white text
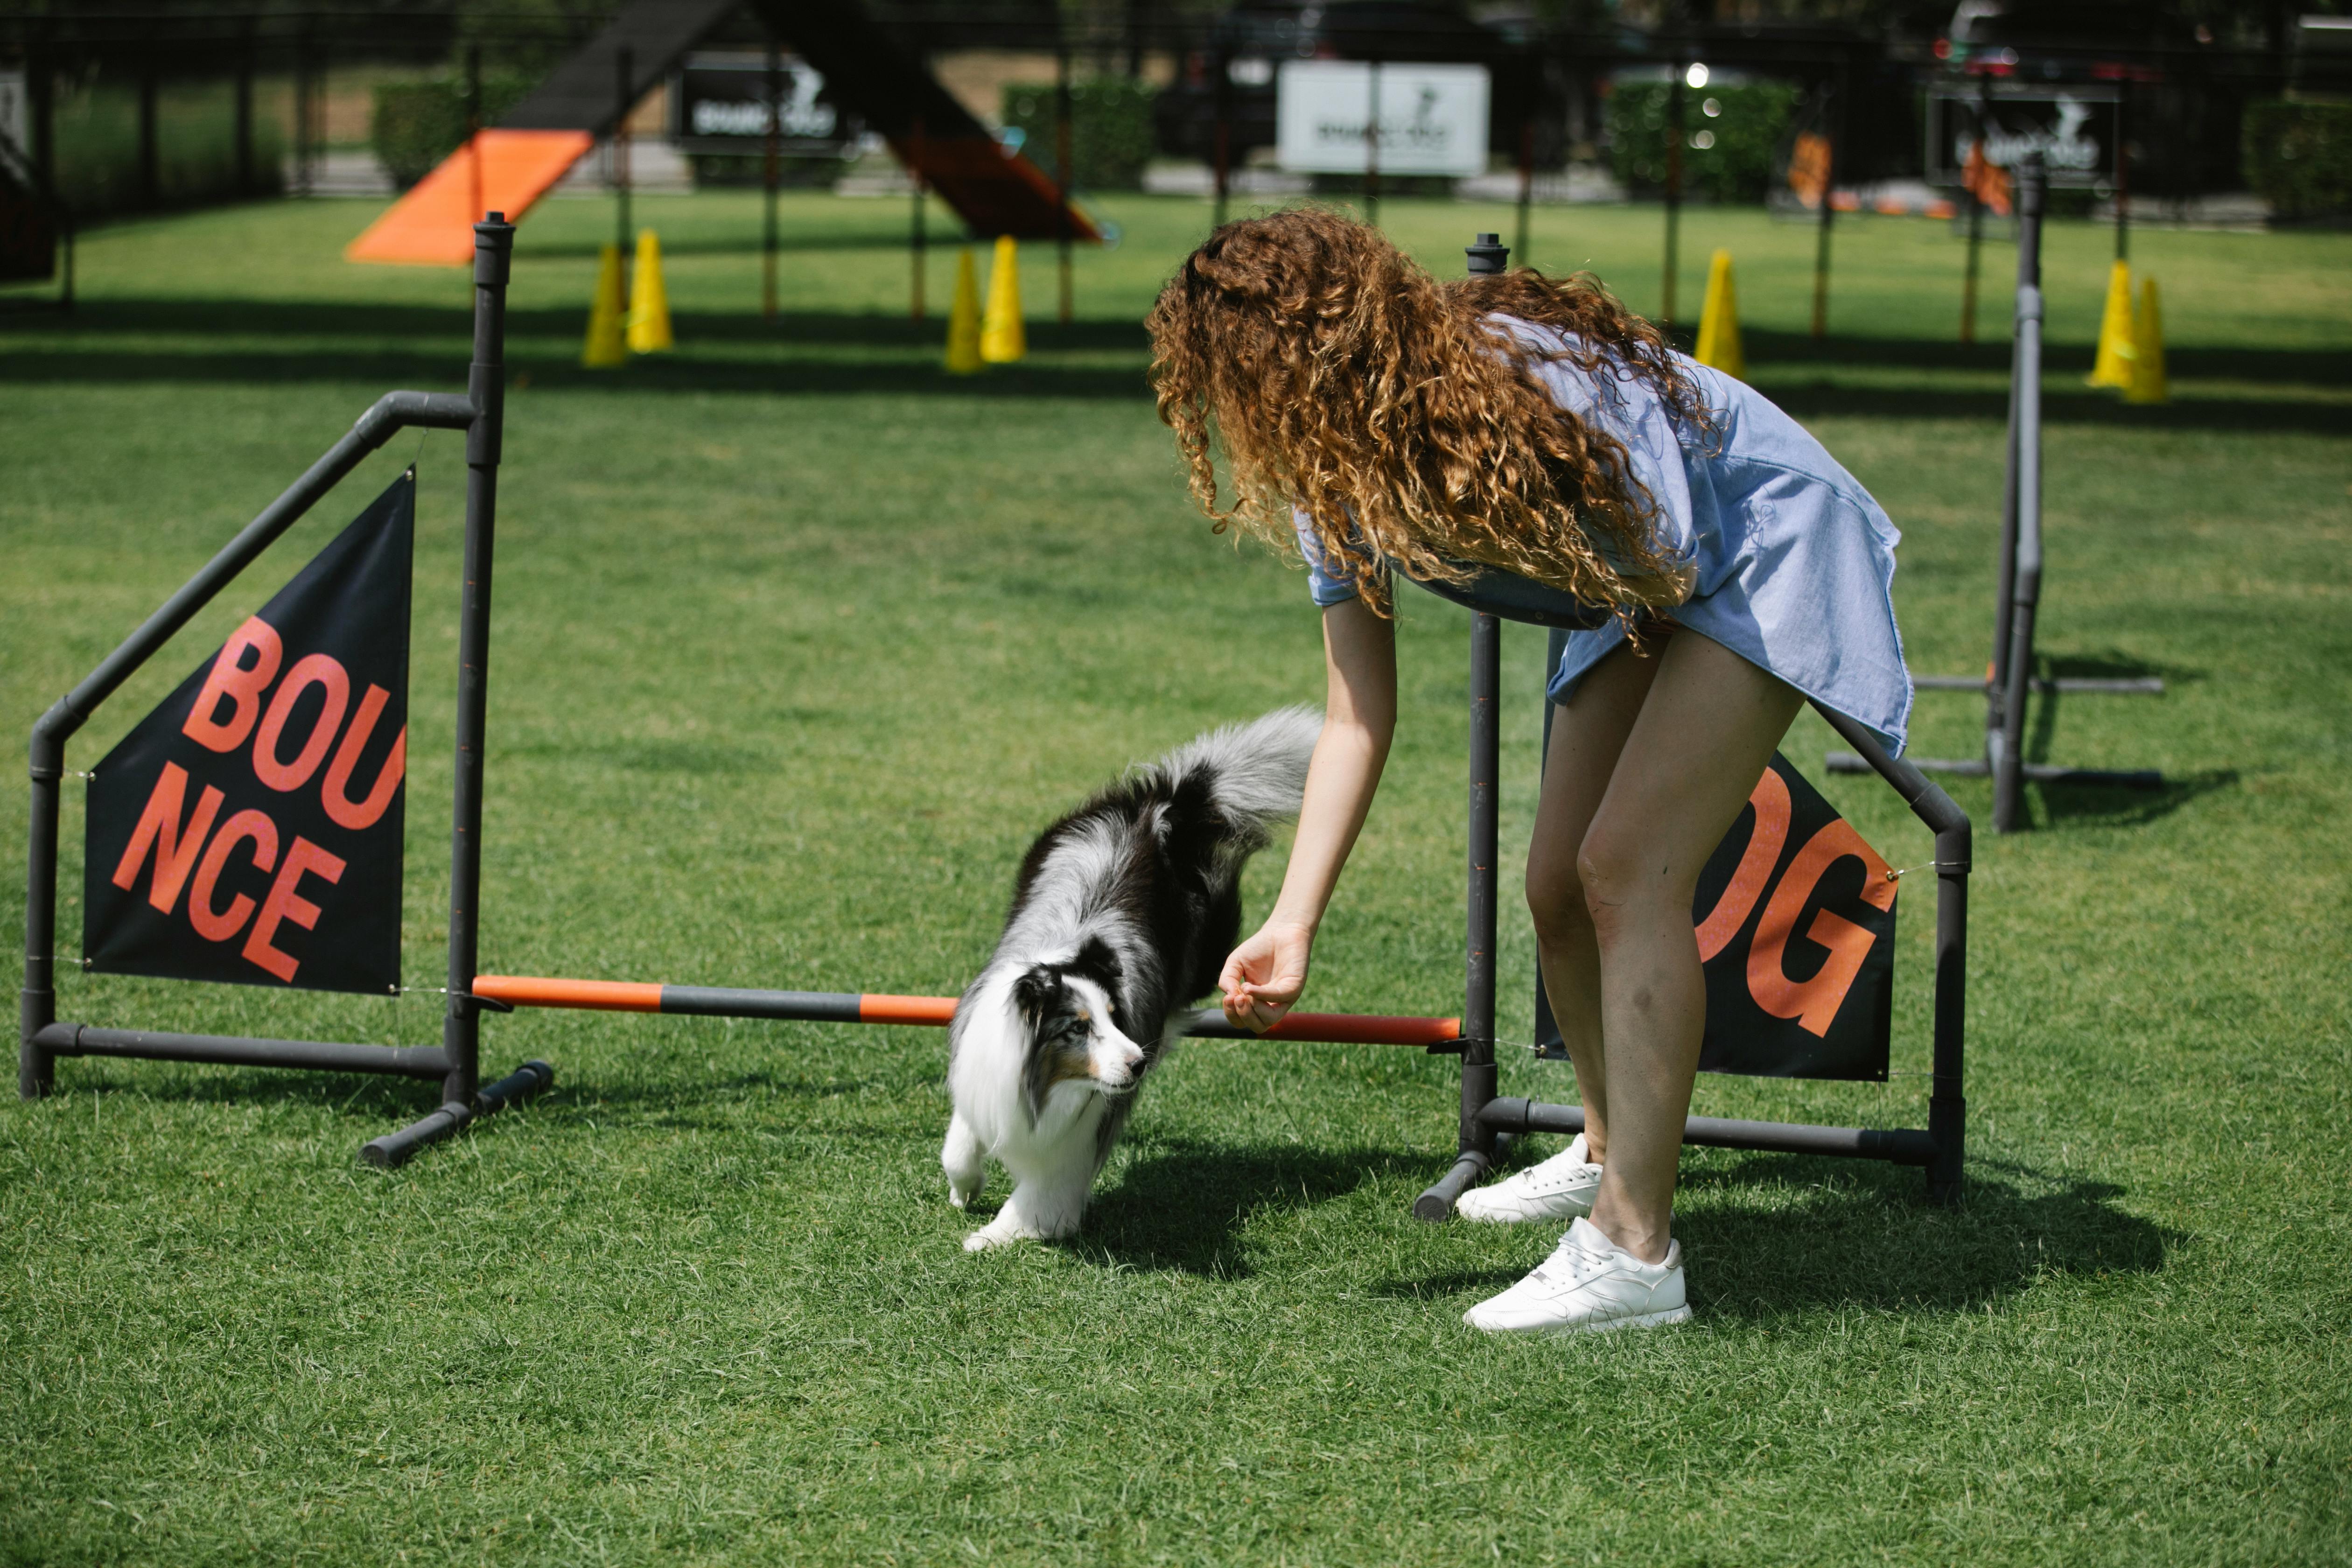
249	830
2074	128
724	103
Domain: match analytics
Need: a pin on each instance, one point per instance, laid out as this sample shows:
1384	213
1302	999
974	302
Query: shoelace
1577	1262
1557	1181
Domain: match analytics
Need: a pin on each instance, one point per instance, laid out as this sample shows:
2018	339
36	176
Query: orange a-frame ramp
509	168
498	170
541	138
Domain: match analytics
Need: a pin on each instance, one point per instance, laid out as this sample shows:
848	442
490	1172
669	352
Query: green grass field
799	640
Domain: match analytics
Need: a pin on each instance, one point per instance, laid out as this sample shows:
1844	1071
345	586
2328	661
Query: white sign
1433	118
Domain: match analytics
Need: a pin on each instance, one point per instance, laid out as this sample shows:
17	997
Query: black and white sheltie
1123	911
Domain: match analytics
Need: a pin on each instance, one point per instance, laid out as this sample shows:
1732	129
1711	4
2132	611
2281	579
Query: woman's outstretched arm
1262	978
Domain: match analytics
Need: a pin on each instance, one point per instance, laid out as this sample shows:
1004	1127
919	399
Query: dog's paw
961	1194
998	1234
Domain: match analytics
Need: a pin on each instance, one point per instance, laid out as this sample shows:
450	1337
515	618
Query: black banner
1796	927
249	830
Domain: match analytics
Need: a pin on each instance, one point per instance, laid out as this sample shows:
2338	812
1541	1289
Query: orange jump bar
867	1007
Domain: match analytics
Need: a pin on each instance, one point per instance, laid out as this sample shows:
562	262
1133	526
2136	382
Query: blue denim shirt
1794	562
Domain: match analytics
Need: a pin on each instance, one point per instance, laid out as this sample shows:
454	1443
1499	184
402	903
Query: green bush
1111	129
416	124
1737	166
2298	156
195	148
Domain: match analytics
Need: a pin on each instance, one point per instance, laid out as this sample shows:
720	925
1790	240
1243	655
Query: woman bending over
1385	422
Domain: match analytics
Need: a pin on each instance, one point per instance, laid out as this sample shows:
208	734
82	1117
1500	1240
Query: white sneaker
1587	1283
1562	1187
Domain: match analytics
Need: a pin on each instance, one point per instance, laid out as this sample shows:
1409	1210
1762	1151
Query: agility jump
186	843
2009	683
167	847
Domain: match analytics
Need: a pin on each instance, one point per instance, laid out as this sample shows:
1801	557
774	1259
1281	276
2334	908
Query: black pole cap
1488	254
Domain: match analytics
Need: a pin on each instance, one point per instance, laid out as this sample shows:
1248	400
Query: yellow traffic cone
1718	321
649	300
606	347
963	319
2147	382
1002	340
2114	366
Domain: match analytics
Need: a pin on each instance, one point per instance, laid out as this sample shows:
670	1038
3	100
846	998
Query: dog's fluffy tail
1256	772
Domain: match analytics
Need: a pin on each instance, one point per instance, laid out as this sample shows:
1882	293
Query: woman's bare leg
1588	732
1706	731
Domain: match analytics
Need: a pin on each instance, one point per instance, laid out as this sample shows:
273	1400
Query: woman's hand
1262	978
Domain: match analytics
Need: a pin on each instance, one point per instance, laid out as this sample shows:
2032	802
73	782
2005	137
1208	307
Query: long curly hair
1339	377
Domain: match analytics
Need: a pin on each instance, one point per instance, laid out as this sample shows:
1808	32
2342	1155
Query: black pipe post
244	1050
1476	1140
474	132
36	1004
41	108
1899	1146
309	64
1674	186
1835	124
769	170
2123	171
245	111
1549	1042
1947	1105
623	75
1222	153
456	1115
1062	163
2025	572
1997	683
150	179
486	387
1527	183
1486	257
917	237
1976	212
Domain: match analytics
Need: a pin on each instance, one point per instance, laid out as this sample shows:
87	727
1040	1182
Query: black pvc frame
1940	1148
1484	1117
43	1038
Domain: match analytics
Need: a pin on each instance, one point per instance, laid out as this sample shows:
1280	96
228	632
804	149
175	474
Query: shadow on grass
945	238
2100	803
1766	348
1183	1206
2107	808
358	1098
422	345
1833	1232
1826	399
2114	665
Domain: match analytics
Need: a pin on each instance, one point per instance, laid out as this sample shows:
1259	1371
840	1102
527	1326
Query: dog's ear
1038	994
